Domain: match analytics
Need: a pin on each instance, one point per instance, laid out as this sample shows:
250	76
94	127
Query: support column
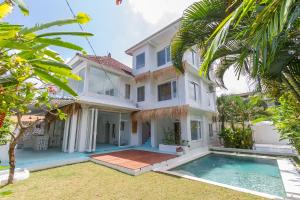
119	132
154	133
83	128
72	132
66	135
185	128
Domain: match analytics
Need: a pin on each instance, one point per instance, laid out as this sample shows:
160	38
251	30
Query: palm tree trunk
292	89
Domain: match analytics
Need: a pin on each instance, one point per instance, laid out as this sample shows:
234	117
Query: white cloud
234	85
156	11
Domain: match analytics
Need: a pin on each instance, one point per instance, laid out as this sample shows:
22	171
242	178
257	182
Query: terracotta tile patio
133	159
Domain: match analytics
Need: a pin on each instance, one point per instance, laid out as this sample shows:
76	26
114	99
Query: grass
92	181
3	167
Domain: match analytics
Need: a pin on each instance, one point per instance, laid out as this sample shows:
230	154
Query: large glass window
193	87
163	56
127	91
141	93
140	61
166	91
103	83
78	86
196	131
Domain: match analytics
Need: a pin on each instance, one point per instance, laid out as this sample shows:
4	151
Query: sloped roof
109	62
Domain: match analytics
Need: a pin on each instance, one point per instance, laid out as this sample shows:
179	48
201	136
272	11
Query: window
140	61
210	130
193	87
163	56
174	89
196	132
122	126
166	91
103	83
127	91
78	85
194	57
141	94
110	92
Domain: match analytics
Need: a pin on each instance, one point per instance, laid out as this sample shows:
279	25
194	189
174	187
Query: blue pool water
261	175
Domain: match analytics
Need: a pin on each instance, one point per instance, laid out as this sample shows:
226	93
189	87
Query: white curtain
91	130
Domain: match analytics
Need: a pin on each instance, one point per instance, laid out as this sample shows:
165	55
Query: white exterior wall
200	110
266	133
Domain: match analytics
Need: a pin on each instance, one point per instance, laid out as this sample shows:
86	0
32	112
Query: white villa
150	104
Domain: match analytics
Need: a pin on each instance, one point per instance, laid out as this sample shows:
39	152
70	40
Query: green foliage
257	38
237	138
286	118
237	112
26	47
5	130
169	137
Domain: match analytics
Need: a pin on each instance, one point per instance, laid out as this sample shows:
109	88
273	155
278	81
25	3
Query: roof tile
109	62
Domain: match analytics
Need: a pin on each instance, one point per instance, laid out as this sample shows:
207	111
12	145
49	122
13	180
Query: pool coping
287	170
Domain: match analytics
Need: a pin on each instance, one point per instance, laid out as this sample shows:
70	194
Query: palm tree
258	37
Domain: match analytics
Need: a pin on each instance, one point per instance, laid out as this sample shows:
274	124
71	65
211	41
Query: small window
166	91
127	91
174	89
110	92
210	130
140	61
194	57
193	87
196	131
163	56
141	94
122	126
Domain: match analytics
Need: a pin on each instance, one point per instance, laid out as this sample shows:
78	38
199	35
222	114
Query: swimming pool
261	175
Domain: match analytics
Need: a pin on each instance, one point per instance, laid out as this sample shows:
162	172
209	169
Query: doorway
177	131
146	132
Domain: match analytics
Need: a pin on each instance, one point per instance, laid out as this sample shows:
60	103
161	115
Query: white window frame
140	66
210	129
137	94
195	90
166	56
199	129
194	59
129	95
173	95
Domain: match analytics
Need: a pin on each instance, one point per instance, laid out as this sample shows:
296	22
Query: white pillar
119	134
66	135
139	132
154	133
72	132
185	128
83	129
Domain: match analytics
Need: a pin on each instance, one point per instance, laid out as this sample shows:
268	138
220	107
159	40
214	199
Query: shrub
237	138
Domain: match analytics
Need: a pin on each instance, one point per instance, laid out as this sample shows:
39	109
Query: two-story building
149	104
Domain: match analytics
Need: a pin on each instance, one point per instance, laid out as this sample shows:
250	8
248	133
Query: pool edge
193	157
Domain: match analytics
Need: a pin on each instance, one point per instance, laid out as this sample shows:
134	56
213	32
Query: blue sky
116	28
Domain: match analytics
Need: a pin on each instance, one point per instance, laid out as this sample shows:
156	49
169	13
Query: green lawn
92	181
3	168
